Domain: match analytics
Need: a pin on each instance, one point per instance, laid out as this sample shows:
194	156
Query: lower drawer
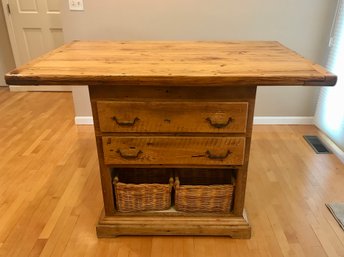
173	150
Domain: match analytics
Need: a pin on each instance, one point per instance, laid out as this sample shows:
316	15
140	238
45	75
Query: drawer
214	117
173	150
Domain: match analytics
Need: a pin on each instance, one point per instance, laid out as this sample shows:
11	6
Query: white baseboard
83	120
275	120
332	146
88	120
40	88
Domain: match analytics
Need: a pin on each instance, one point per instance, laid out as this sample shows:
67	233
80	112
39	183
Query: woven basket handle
176	182
171	183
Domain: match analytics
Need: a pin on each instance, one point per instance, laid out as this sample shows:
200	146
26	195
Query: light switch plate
76	5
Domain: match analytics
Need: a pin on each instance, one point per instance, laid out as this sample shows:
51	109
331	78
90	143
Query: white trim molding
83	120
286	120
332	146
40	88
11	35
267	120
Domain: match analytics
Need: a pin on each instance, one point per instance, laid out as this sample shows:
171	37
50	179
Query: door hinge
8	8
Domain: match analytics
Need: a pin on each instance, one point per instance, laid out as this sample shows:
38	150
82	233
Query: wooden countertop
171	63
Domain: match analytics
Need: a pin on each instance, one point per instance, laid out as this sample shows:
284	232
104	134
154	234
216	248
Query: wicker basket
143	190
204	191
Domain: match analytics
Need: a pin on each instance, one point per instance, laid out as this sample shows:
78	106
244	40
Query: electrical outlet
76	5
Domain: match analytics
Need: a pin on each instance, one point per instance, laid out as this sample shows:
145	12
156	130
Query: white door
34	27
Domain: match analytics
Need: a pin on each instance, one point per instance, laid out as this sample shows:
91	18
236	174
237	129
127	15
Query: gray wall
6	56
302	25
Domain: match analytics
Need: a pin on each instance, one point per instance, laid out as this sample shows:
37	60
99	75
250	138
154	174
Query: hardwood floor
50	196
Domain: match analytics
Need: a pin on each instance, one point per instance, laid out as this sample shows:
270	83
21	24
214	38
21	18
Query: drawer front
173	150
214	117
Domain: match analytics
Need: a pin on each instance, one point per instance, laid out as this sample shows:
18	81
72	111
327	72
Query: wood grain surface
161	150
213	117
171	63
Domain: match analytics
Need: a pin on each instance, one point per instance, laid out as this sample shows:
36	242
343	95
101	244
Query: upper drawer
214	117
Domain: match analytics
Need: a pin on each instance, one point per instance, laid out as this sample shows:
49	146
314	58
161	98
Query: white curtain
329	116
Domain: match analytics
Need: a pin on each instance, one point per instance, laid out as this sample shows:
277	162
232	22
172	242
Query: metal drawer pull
125	122
129	156
218	157
219	125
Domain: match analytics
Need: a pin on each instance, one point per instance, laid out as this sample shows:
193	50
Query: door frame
10	30
16	56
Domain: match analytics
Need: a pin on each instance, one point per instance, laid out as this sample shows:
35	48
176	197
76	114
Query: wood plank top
171	63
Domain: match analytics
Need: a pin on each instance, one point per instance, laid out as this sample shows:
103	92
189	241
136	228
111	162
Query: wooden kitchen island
168	109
